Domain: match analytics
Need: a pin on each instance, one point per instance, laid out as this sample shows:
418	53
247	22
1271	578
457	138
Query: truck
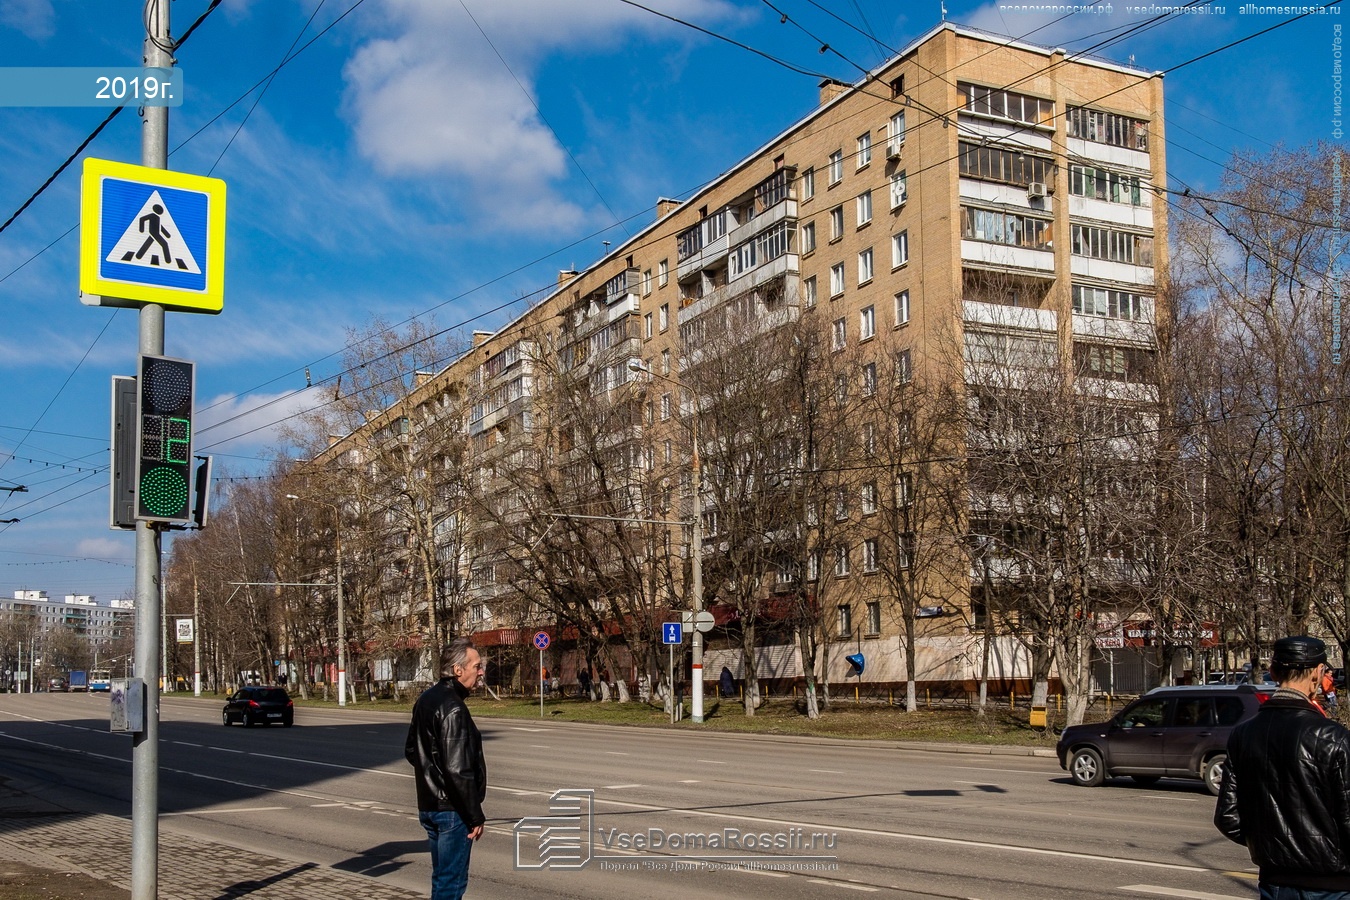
100	680
78	681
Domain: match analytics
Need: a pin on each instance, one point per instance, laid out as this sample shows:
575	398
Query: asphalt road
664	814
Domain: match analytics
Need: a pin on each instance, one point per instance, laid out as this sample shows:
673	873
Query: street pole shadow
382	859
244	888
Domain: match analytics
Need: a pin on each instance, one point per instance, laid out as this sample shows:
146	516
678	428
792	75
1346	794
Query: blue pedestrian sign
151	236
541	640
672	633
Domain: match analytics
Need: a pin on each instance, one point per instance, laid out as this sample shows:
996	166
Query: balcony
990	255
1018	318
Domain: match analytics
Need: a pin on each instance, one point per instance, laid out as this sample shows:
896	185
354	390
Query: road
847	818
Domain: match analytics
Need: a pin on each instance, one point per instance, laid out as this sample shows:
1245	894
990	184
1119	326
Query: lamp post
695	551
341	611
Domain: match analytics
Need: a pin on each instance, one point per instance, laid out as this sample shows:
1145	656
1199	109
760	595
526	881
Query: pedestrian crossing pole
145	743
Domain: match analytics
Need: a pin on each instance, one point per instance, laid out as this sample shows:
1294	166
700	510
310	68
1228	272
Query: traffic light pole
145	743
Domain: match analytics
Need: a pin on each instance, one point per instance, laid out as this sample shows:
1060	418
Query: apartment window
841	504
1097	183
809	291
864	208
905	557
904	491
808	237
668	450
841	560
647	326
1095	301
1106	128
865	266
1126	364
663	273
899	189
869	438
836	167
839	335
841	389
845	612
904	367
899	249
869	379
647	282
808	184
999	227
836	279
813	566
869	498
870	567
663	317
895	133
836	223
864	149
1008	166
904	429
999	104
867	321
1107	243
874	614
665	362
665	407
902	308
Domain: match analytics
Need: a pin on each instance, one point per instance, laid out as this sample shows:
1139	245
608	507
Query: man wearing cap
1286	784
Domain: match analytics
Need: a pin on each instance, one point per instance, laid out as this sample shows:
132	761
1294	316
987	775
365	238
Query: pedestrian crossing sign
151	236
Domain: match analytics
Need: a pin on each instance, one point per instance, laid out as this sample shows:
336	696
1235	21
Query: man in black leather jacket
1286	784
446	750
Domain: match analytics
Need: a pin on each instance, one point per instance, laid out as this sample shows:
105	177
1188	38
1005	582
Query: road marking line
1177	892
325	805
540	746
827	771
616	753
689	781
520	728
713	762
619	787
212	812
845	884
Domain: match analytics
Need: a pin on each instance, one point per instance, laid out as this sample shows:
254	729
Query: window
1106	128
836	223
808	237
904	367
902	308
840	504
869	498
663	273
809	292
899	190
668	450
865	266
836	167
1095	301
1112	363
841	560
647	326
845	614
813	566
899	249
904	491
665	407
1107	243
895	134
665	362
869	438
808	184
874	611
999	227
904	429
864	208
839	335
864	149
1100	184
1005	165
663	316
836	279
869	383
867	322
905	555
647	283
841	389
999	104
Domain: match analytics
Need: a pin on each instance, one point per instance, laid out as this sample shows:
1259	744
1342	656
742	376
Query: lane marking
845	884
619	787
689	781
212	812
713	762
616	753
522	728
1177	892
826	771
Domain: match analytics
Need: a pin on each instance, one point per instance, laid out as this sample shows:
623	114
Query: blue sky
447	158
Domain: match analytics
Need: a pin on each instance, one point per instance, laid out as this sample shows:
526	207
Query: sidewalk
68	856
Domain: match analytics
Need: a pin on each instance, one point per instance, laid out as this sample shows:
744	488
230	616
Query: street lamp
341	612
695	550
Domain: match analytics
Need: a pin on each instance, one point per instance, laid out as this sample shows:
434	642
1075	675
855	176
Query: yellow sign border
119	293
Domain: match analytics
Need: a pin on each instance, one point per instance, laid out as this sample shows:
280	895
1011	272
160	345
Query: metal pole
696	578
145	744
196	639
541	684
341	614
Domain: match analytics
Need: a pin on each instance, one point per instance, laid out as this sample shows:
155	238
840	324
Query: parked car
57	686
257	705
1173	732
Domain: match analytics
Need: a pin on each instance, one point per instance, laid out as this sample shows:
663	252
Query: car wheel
1086	767
248	721
224	718
1146	780
1212	772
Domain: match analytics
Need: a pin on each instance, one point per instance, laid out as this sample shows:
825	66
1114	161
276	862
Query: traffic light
164	439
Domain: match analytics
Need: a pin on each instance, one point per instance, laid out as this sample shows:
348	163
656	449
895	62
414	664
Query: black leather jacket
446	750
1286	795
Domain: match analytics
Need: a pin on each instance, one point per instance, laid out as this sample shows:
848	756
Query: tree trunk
748	666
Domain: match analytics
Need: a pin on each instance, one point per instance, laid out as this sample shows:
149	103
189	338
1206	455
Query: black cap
1299	652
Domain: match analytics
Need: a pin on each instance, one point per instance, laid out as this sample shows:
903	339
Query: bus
100	680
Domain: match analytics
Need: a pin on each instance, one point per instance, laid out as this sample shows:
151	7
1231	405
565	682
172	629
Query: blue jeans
1276	892
450	848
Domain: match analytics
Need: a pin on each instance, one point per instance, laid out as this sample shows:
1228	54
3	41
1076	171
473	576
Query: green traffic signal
164	389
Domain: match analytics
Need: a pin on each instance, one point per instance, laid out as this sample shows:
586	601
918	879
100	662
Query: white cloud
239	425
36	19
104	548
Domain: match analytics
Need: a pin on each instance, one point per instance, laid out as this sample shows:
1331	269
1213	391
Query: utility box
127	702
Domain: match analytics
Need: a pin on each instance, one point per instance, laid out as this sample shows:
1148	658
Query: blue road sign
672	633
541	640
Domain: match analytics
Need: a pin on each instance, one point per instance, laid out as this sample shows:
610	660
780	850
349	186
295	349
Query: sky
444	159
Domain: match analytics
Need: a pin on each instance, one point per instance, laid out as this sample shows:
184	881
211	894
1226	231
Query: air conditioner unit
893	151
1037	189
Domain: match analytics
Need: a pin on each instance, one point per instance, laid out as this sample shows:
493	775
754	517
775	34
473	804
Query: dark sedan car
259	706
1174	732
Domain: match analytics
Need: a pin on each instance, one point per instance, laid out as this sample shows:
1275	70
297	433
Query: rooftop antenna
944	11
606	243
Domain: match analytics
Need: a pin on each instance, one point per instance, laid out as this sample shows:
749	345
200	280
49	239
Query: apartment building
975	205
82	614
